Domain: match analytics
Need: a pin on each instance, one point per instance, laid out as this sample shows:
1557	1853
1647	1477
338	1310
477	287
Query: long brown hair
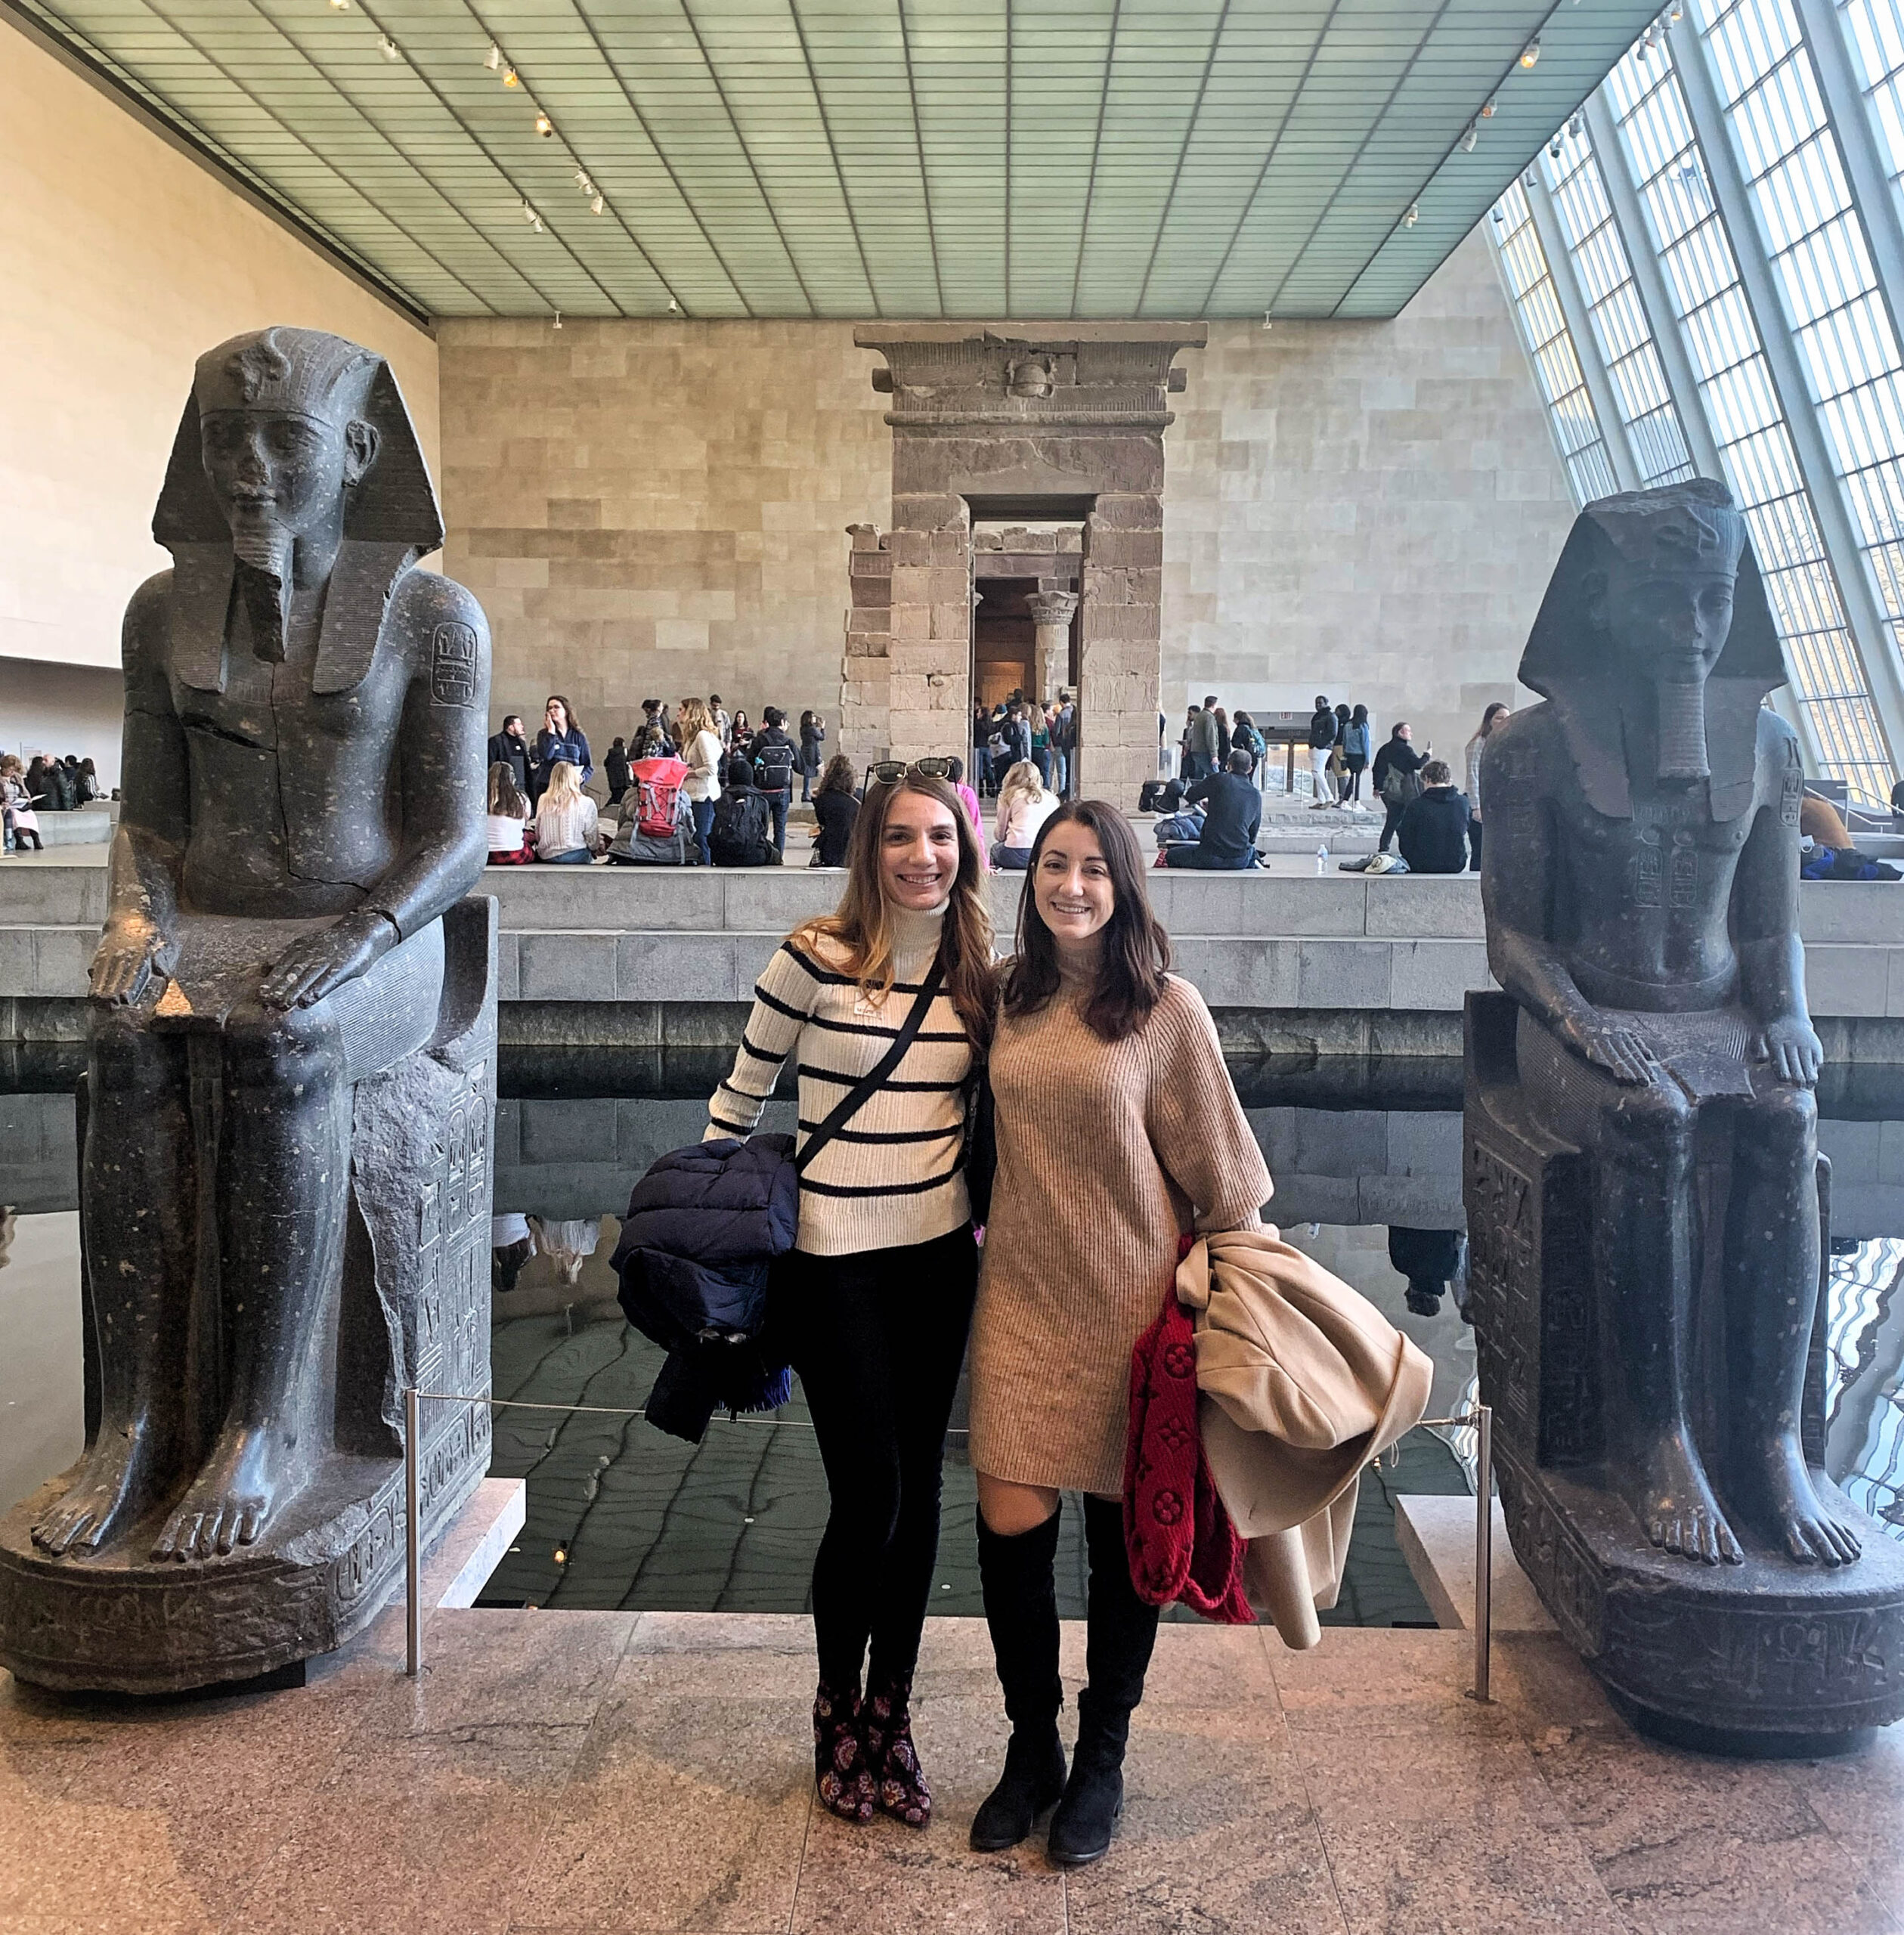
1136	951
861	925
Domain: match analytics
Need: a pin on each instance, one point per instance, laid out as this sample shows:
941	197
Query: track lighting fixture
1530	54
1470	134
493	60
544	126
1413	215
509	78
388	47
596	205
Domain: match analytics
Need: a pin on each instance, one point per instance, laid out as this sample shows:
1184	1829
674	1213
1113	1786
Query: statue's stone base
411	1305
122	1623
1766	1656
1764	1659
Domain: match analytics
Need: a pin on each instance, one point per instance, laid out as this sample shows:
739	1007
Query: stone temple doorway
1059	425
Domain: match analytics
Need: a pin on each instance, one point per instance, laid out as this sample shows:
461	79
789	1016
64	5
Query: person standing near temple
874	1300
510	747
1354	752
560	741
1495	716
701	749
1322	744
1118	1131
813	741
1396	776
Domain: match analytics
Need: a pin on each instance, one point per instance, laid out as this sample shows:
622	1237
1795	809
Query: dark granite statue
291	1067
1642	1174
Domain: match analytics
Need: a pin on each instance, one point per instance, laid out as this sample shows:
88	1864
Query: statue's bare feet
116	1482
230	1500
1665	1485
1811	1535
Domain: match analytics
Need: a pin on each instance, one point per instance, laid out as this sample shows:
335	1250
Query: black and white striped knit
892	1175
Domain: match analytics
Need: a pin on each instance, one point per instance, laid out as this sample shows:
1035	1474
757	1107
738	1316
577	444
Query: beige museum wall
651	508
1371	511
121	260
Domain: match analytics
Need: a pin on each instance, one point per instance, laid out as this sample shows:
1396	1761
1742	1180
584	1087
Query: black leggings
1391	812
878	1339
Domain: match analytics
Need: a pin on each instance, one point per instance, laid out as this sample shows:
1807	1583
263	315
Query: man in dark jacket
1396	767
614	769
1232	812
1434	829
510	747
774	758
1322	740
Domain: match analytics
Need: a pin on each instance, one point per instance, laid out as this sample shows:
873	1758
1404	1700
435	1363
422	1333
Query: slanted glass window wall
1703	354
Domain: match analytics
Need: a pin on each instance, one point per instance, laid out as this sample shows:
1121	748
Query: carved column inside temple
1063	424
1051	614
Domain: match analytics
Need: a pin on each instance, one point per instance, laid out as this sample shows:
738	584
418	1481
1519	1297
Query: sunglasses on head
886	771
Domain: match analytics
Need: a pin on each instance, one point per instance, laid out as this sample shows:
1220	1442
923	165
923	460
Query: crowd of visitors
44	783
1017	730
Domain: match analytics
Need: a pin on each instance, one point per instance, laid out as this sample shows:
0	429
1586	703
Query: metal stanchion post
1484	1546
412	1535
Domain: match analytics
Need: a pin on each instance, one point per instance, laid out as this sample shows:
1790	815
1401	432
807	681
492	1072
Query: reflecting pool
1366	1156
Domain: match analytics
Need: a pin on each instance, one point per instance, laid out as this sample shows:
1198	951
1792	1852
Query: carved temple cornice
946	376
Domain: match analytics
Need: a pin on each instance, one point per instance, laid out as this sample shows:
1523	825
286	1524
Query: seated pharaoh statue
303	803
1641	884
1648	1213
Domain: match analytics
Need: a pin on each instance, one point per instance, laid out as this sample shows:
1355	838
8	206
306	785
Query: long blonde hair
692	716
564	789
860	928
1023	781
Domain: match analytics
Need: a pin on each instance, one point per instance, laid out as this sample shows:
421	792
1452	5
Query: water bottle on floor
1322	858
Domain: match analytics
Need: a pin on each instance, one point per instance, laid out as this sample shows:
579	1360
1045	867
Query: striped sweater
893	1175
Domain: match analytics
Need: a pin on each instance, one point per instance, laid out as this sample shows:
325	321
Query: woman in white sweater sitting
1025	803
565	820
700	748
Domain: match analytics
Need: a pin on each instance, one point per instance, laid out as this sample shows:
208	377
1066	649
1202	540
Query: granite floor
615	1772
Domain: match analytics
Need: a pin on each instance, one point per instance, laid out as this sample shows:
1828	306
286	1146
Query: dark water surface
621	1515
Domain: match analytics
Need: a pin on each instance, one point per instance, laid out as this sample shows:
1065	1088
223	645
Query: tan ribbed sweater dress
1107	1150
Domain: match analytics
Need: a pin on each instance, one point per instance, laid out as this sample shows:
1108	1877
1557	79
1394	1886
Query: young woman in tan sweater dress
1117	1129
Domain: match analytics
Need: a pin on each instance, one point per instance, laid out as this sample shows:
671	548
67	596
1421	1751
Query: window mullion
1580	327
1649	285
1870	635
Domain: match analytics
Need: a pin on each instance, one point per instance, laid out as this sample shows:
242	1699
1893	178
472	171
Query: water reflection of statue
1641	883
305	714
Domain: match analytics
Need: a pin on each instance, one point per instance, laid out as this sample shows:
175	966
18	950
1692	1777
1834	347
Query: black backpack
773	768
742	833
1159	796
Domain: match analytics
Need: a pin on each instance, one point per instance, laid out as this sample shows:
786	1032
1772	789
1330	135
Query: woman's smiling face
918	852
1072	889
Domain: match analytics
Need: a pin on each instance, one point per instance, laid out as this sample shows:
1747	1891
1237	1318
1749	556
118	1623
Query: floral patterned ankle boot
840	1768
900	1781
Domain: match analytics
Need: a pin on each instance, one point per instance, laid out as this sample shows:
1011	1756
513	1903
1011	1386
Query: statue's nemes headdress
1693	525
391	518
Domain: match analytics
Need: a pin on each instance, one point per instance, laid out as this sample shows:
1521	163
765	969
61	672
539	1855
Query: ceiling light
1675	13
388	49
1553	149
596	206
509	78
1487	112
1530	53
544	126
493	60
673	307
1577	127
582	180
558	319
1470	134
1413	215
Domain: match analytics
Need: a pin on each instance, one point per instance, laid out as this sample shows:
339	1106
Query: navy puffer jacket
703	1228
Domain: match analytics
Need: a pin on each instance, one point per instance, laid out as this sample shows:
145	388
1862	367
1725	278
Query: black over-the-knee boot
1122	1631
1021	1609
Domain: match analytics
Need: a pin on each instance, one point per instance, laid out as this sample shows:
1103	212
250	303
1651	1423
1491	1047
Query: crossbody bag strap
862	1090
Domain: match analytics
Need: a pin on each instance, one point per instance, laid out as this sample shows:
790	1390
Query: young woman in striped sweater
877	1297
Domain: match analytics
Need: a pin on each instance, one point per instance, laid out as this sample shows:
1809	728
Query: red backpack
658	783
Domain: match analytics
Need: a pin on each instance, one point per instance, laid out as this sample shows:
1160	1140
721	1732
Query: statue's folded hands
1790	1045
316	963
129	952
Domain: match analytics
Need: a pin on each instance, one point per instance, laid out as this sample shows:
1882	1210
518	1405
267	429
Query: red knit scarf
1182	1543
